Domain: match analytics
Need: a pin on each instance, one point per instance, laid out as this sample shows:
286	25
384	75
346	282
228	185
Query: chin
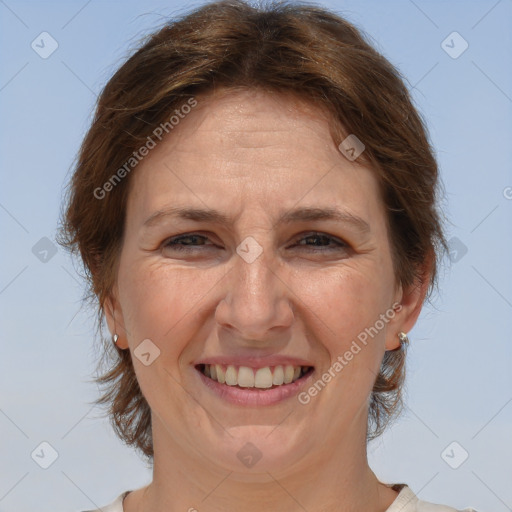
253	451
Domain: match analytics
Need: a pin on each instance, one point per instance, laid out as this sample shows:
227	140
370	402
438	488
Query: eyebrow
288	217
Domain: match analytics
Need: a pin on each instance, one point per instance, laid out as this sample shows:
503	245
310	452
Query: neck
334	478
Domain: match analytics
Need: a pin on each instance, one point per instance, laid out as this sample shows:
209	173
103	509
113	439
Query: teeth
221	374
231	376
245	377
262	378
278	378
288	374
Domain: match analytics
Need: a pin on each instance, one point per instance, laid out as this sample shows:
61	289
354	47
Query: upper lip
254	361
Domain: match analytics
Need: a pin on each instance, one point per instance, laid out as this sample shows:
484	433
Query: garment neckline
405	495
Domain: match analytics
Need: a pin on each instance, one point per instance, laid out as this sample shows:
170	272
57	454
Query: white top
406	501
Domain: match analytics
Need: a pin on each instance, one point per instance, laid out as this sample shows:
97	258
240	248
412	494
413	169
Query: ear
410	300
115	321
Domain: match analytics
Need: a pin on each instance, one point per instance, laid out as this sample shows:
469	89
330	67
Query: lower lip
255	396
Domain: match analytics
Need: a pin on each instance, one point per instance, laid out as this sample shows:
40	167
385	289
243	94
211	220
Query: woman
255	207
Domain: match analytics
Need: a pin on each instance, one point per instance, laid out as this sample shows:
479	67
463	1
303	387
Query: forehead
249	113
250	147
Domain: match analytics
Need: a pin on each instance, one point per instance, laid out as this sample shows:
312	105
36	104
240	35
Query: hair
283	47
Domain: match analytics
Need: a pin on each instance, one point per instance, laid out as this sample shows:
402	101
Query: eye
327	239
191	241
174	243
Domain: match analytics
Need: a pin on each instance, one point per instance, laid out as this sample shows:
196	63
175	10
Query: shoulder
407	501
115	506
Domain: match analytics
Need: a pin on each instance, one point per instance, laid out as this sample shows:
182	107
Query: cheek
158	304
338	308
347	304
161	302
346	301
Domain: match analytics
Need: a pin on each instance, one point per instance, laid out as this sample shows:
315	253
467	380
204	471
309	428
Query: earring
404	340
115	338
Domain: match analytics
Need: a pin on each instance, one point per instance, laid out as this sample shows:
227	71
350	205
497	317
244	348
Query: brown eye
325	240
184	243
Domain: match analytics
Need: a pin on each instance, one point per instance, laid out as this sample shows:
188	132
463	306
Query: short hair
282	47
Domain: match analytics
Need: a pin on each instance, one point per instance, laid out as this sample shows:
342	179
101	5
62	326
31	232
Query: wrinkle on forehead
224	128
243	114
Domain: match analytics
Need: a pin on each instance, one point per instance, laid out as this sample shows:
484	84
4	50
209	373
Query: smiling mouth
245	377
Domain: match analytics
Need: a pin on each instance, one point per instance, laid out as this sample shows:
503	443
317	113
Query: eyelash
172	242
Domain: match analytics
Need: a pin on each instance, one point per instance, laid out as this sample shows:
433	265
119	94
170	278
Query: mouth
247	378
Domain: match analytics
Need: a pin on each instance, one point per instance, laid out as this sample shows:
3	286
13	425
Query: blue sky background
459	384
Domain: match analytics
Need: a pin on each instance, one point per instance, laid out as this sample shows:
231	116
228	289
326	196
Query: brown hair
284	47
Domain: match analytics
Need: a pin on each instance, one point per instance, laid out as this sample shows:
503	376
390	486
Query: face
273	285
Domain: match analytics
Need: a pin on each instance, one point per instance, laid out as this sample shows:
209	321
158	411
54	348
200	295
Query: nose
257	302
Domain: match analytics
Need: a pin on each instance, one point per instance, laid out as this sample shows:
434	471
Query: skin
252	155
